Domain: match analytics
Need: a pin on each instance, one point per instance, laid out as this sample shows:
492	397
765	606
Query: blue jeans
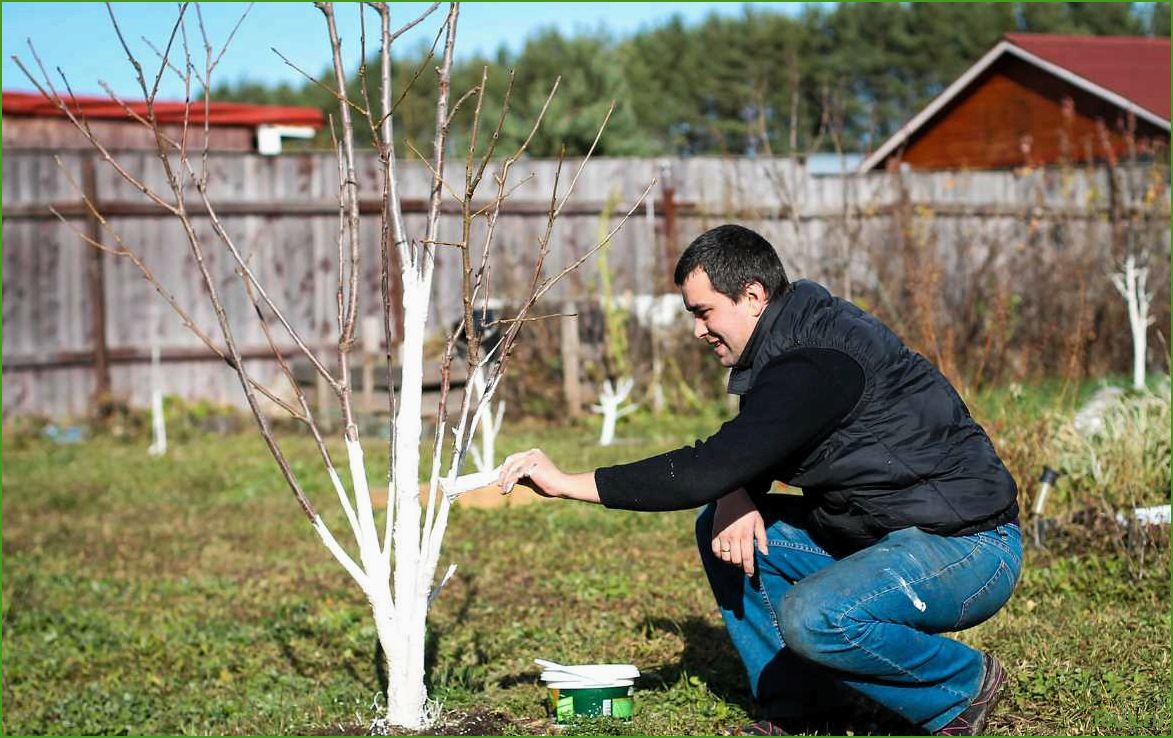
808	623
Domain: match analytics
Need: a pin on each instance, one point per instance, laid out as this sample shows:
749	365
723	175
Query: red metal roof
33	104
1134	67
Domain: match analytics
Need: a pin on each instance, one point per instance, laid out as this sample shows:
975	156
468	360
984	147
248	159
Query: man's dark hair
733	257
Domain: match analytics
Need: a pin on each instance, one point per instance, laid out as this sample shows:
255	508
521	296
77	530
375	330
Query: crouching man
907	527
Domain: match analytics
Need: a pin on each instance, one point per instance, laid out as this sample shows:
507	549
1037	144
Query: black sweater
795	403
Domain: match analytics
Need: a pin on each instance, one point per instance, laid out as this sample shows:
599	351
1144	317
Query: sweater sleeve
796	401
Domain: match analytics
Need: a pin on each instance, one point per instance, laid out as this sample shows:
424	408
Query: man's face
719	321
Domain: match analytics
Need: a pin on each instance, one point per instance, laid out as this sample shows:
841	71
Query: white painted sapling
393	561
611	406
488	423
1132	284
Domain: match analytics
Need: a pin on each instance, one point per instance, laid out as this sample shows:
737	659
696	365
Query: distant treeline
833	77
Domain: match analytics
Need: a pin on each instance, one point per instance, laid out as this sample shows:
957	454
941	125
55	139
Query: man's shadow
708	655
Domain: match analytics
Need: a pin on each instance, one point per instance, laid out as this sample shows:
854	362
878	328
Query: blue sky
78	37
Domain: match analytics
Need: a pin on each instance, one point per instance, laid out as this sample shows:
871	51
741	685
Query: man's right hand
736	525
545	478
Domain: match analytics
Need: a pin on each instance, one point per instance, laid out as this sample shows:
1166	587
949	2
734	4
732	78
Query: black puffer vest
908	454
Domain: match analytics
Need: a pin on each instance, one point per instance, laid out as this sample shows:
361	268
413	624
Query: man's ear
756	297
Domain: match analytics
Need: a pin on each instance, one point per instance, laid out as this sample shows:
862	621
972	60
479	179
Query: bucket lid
597	673
564	685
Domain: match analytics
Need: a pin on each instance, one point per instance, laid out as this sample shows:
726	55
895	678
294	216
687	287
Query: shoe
760	727
972	719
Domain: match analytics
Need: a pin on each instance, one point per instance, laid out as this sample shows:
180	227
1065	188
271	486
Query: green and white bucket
589	690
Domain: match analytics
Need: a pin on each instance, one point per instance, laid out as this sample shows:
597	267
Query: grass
187	595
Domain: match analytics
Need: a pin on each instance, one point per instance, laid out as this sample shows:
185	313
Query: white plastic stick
158	422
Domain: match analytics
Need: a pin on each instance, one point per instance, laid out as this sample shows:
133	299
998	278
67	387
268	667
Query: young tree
488	422
396	562
612	406
1131	281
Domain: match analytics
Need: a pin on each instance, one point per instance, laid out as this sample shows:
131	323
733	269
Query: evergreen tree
665	70
1159	20
591	78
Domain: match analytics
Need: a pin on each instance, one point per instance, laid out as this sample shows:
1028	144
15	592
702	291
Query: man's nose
698	328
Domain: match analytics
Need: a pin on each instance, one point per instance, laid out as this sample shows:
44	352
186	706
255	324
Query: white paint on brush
453	488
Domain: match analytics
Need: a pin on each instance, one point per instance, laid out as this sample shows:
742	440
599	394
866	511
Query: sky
78	37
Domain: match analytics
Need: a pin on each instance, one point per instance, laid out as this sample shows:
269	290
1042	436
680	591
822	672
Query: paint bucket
589	690
616	700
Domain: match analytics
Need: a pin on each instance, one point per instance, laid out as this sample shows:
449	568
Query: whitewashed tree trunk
611	406
1132	282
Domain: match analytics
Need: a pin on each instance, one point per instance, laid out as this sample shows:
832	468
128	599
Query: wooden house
1037	99
32	122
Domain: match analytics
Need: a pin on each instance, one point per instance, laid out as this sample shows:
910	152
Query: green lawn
188	595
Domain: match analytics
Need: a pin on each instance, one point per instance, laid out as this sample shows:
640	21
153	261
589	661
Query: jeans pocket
1010	541
988	599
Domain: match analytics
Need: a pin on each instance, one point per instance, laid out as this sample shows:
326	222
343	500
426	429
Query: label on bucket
564	709
620	708
614	702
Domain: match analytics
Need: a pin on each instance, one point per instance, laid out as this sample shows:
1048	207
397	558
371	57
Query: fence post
96	286
571	360
668	192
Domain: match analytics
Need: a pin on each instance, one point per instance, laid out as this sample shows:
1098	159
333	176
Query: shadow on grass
708	655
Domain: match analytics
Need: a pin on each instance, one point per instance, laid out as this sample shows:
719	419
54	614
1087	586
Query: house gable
1015	107
1016	114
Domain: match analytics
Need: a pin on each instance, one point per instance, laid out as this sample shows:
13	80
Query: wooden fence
76	322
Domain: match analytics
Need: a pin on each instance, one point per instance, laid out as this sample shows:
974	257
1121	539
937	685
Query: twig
49	92
412	24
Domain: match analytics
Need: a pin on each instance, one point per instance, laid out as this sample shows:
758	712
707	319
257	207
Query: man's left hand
737	524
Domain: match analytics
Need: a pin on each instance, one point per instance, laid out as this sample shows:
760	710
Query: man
907	524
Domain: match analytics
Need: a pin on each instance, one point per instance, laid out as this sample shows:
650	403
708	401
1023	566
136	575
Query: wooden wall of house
1018	115
282	212
58	134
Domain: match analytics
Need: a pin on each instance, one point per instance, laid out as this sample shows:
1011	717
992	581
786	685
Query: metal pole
1046	481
